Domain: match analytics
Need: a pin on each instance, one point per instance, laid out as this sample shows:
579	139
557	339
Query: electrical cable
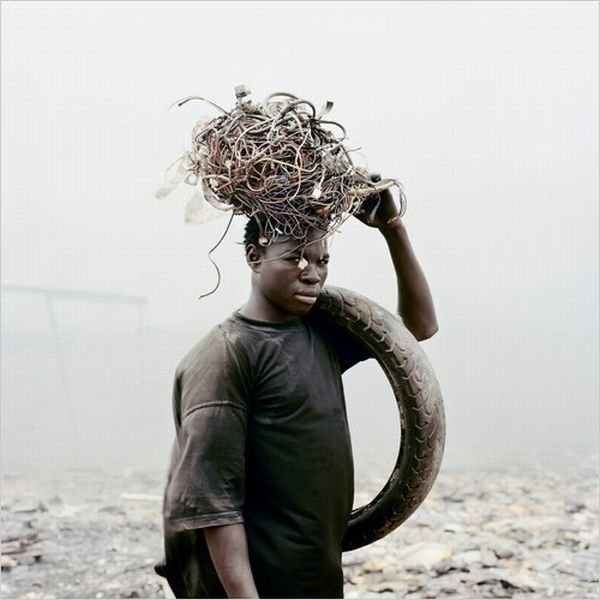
281	161
213	262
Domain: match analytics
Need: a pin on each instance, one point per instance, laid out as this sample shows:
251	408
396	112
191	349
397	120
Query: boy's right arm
228	549
415	304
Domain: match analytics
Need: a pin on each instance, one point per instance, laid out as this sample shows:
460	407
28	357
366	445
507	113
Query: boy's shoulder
232	337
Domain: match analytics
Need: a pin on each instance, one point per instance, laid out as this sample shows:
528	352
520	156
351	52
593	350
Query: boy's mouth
307	296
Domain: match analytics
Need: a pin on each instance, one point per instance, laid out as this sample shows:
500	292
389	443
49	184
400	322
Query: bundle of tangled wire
279	161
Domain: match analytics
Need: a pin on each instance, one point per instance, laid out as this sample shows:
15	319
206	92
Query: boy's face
288	275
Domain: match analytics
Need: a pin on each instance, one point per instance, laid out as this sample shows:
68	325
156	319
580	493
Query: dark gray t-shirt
262	438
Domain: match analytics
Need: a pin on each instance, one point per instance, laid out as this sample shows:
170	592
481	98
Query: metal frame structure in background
51	295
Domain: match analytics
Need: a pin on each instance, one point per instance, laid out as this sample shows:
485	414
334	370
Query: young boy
260	486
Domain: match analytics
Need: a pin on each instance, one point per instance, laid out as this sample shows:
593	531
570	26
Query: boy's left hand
378	209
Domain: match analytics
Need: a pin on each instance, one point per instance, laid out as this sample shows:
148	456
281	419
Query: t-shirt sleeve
207	474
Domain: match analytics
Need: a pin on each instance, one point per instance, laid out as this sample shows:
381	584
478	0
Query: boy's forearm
228	549
415	303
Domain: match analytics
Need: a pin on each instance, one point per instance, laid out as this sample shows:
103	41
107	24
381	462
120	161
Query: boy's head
287	274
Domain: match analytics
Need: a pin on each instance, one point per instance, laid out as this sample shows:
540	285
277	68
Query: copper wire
281	161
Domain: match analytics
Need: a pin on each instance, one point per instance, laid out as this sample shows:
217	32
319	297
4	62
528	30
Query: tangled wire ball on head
280	161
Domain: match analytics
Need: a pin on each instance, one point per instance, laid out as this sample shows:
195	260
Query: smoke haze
486	112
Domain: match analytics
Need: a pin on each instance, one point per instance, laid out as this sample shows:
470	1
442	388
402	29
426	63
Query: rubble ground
479	534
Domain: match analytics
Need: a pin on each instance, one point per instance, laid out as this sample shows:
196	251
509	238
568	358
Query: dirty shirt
262	439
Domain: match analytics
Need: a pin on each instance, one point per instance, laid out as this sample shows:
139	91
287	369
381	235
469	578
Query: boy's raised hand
378	209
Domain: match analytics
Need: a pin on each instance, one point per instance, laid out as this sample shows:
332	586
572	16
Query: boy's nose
310	274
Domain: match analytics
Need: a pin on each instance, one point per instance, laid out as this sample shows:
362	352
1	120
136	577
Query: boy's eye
297	260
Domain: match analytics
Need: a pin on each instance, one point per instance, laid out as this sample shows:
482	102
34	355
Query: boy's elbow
427	333
423	331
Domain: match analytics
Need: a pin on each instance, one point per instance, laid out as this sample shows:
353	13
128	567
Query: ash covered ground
480	534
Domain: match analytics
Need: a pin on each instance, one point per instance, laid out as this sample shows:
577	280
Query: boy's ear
253	257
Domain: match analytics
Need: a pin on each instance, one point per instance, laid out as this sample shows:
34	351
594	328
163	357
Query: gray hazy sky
487	112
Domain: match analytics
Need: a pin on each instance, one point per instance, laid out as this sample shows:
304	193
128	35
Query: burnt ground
479	534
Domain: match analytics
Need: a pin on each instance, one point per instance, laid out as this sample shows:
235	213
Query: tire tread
420	408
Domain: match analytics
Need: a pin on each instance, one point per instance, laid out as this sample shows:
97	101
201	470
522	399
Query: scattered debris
98	535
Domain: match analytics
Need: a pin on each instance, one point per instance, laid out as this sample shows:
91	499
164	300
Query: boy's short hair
252	233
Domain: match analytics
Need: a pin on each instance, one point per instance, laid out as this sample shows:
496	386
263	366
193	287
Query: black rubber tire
420	407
